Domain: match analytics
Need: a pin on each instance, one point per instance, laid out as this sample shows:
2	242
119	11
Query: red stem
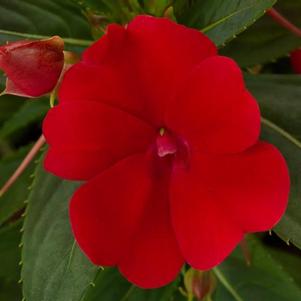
29	157
282	21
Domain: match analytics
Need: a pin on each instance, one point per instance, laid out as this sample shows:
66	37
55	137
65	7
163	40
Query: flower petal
107	74
106	211
121	217
91	136
223	196
146	61
103	83
109	48
172	50
154	258
76	164
214	112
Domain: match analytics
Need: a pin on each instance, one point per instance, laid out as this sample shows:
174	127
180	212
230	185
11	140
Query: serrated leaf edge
224	19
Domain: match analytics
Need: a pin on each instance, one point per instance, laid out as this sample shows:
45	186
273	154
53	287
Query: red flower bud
296	60
32	68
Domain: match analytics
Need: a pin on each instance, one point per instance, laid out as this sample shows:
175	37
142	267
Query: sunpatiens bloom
32	68
296	60
165	134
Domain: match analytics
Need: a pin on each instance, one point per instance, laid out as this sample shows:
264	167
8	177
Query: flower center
166	143
169	145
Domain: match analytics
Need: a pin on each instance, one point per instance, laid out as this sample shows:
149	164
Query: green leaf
13	200
42	17
111	286
279	99
290	259
270	40
221	20
53	268
265	279
9	262
31	111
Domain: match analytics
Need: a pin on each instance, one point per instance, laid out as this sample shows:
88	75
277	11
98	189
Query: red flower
33	68
166	135
296	60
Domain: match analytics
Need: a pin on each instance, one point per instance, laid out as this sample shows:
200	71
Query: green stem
52	98
190	297
220	276
71	41
282	21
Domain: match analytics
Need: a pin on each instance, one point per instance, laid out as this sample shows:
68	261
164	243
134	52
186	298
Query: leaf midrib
225	18
229	16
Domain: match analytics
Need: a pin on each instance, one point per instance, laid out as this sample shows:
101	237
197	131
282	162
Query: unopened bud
199	284
32	68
